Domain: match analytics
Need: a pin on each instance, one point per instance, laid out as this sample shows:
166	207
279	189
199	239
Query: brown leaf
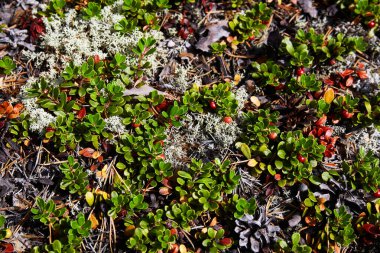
310	221
18	107
87	152
6	108
96	154
164	191
328	81
213	222
329	95
216	31
94	221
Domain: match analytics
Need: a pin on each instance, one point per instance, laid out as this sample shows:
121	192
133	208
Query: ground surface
189	126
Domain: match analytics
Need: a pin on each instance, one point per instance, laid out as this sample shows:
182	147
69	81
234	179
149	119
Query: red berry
347	115
377	194
332	61
212	105
300	71
173	231
227	119
272	136
301	158
277	177
371	24
162	156
136	125
252	37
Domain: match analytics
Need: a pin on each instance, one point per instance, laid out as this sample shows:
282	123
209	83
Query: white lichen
115	125
39	120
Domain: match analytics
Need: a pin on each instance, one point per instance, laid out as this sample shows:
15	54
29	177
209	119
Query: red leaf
328	133
328	81
87	152
349	81
8	248
361	65
81	113
345	73
362	74
321	121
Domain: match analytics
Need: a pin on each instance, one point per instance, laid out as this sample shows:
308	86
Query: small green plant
300	55
283	247
6	65
304	83
252	23
75	178
243	206
56	247
47	212
338	230
217	98
345	106
269	73
214	241
181	215
364	172
5	233
218	48
92	10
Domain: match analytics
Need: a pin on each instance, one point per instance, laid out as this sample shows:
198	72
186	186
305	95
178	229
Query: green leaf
278	164
281	153
184	174
245	150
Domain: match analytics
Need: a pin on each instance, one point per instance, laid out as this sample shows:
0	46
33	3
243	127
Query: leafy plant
6	65
252	23
364	172
181	215
304	83
76	180
282	246
269	73
214	241
47	212
300	55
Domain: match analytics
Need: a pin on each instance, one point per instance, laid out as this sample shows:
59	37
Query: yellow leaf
255	101
182	248
90	198
252	162
129	230
94	221
329	95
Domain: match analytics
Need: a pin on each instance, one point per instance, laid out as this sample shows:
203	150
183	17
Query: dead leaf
87	152
144	90
94	221
345	73
255	101
216	31
329	95
96	154
321	121
213	222
252	162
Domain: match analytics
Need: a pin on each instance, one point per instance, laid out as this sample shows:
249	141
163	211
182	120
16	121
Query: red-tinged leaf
17	108
362	74
361	65
166	182
8	248
320	132
328	81
328	133
81	113
349	81
226	241
345	73
2	123
6	108
87	152
13	115
164	191
100	159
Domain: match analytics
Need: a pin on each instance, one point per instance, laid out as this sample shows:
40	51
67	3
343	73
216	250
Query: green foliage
92	10
55	247
282	246
197	99
211	240
244	206
259	125
300	55
151	226
339	228
364	172
218	48
6	65
47	212
252	22
330	47
369	112
75	177
3	230
304	83
181	215
269	73
204	184
286	158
